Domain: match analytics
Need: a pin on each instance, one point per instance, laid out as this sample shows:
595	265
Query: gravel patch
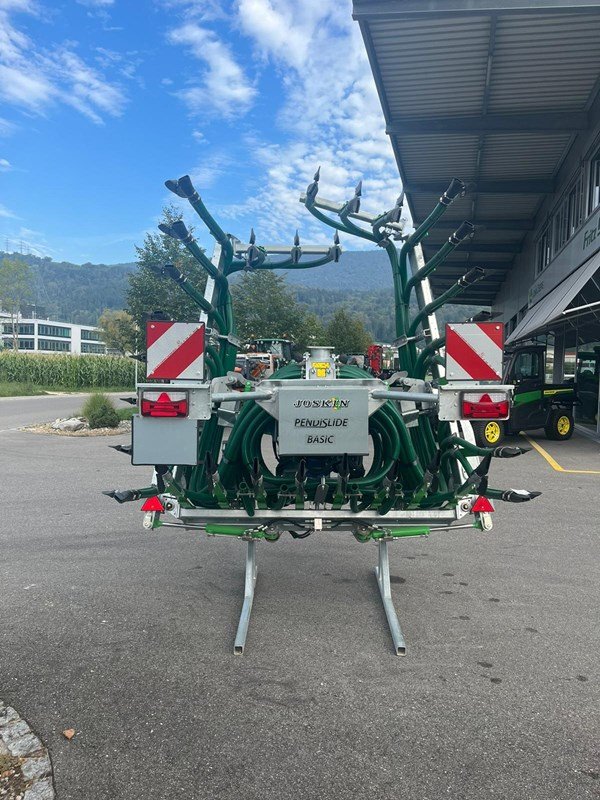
25	766
46	427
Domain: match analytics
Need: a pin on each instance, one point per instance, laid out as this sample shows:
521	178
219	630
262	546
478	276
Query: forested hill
81	292
357	271
76	292
361	281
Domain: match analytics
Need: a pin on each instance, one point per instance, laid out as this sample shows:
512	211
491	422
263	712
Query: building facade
505	96
50	336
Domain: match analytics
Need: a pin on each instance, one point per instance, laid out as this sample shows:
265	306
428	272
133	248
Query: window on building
522	312
54	330
561	226
51	344
544	249
93	336
512	324
25	329
575	205
91	347
26	344
594	186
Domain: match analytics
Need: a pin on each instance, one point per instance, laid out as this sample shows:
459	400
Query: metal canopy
495	93
552	306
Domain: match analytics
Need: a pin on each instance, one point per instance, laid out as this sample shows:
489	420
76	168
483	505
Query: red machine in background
374	358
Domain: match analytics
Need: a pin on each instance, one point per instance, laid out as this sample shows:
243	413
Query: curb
33	760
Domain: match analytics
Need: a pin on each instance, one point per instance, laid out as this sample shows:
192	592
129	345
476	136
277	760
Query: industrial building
50	336
505	96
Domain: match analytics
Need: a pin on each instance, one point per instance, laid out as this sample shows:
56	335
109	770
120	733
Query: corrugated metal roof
525	155
439	60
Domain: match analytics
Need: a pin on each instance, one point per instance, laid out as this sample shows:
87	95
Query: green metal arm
184	188
465	230
469	279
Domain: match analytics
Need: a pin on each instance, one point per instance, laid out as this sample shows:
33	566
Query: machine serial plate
326	421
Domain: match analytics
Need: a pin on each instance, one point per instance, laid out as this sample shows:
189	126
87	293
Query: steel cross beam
491	186
543	122
330	205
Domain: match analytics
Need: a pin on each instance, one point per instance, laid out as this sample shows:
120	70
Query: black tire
490	433
560	425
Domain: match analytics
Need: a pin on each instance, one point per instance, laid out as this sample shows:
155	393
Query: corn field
67	371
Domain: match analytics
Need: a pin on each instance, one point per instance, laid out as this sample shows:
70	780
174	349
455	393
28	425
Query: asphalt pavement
127	637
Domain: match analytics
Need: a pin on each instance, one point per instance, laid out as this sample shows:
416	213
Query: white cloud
222	86
5	165
330	116
6	213
36	78
6	127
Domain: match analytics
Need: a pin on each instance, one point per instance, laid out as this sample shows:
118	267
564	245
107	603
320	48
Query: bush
100	412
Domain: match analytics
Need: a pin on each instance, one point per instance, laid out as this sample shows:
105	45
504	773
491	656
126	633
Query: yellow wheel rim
492	432
563	425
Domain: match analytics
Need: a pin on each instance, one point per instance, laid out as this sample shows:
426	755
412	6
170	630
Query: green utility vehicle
536	404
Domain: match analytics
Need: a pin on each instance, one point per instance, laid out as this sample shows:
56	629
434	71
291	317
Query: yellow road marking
554	464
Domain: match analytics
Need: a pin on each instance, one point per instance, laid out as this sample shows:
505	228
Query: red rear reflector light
164	404
485	406
481	504
153	504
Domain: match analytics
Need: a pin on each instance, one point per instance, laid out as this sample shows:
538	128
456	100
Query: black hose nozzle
518	495
166	229
313	188
122	448
256	474
353	206
472	276
177	231
254	255
457	188
506	451
482	316
182	188
171	271
300	476
296	251
336	250
123	496
464	230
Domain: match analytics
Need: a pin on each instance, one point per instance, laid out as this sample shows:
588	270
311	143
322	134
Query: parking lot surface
127	637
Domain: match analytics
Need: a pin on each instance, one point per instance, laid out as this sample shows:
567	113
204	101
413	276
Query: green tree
118	330
347	334
264	307
148	293
16	288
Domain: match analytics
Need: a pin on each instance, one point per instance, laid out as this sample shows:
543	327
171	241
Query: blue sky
102	100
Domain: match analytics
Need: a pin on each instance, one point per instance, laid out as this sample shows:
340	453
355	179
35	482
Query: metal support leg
250	583
382	573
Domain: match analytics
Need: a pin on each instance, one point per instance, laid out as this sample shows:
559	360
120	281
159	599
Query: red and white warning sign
474	351
175	350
